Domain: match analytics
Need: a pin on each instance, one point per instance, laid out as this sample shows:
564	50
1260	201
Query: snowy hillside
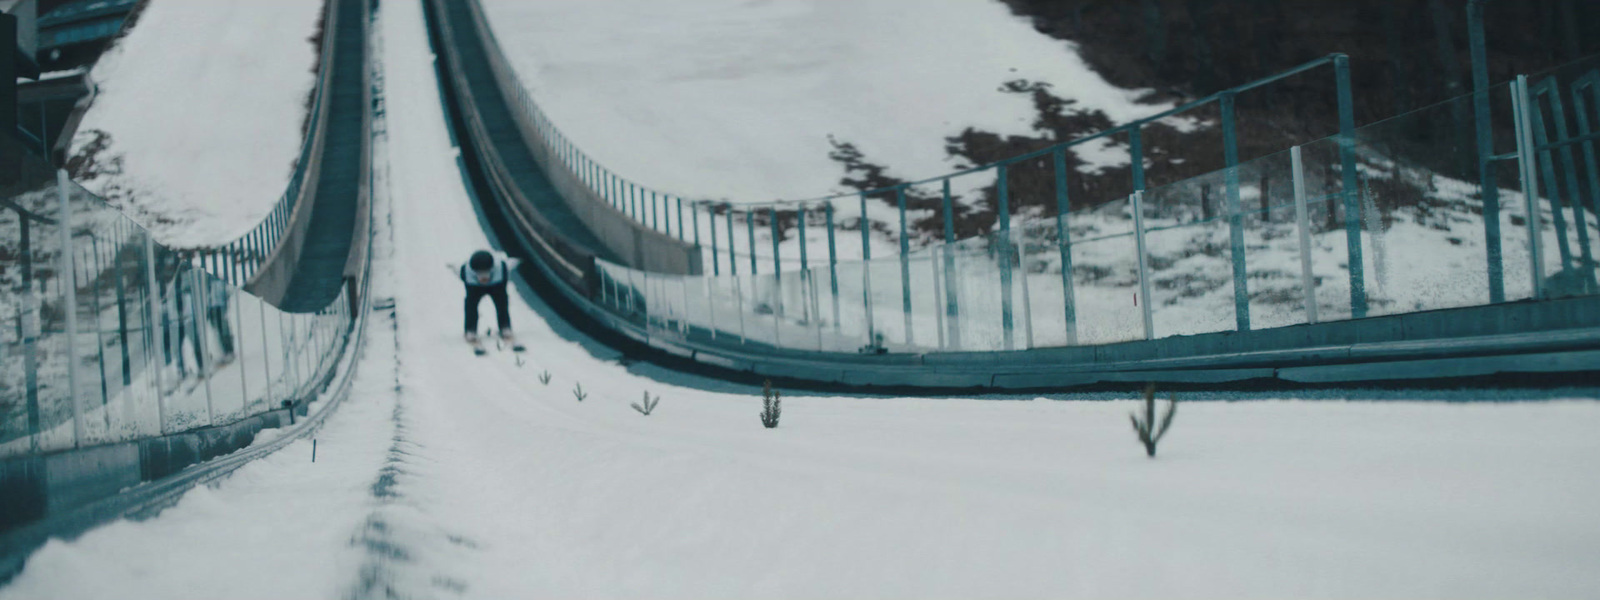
736	100
450	475
197	121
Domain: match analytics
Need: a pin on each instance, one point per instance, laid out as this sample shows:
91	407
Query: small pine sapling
544	378
1149	433
578	392
771	405
647	405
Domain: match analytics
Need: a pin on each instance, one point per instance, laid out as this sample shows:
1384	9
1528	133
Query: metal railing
1385	219
107	336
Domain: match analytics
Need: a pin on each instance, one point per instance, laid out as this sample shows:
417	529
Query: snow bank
199	110
734	99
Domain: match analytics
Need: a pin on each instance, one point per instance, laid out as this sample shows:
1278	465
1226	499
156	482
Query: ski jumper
493	286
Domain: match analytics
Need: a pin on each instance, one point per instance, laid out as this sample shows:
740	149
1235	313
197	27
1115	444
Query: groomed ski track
449	475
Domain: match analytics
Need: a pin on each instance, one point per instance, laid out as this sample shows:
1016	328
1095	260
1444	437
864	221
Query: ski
508	339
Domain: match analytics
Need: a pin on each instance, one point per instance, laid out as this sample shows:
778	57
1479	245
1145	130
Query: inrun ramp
319	274
513	151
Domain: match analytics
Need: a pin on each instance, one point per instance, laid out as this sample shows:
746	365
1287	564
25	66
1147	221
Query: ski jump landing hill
610	262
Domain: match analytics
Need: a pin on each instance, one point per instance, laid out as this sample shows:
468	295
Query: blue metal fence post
805	264
1527	169
1064	245
733	262
1489	187
905	266
777	265
680	223
1308	282
750	225
716	267
1580	109
866	272
1148	312
1136	158
1558	117
1352	204
1003	255
951	306
625	190
1230	150
833	265
800	219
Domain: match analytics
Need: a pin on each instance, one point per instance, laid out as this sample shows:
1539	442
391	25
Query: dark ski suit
495	289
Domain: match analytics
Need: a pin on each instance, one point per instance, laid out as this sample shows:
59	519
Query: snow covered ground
196	124
451	475
665	93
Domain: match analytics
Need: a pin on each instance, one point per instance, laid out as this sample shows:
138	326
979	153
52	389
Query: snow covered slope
732	99
197	122
451	475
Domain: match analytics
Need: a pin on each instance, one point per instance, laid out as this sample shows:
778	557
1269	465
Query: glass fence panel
926	331
1190	260
809	293
217	305
727	302
1271	250
1039	261
832	309
257	355
755	309
1326	242
1331	240
1014	259
1105	268
1421	213
1516	258
975	278
108	402
697	303
793	310
885	292
667	308
857	319
36	403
